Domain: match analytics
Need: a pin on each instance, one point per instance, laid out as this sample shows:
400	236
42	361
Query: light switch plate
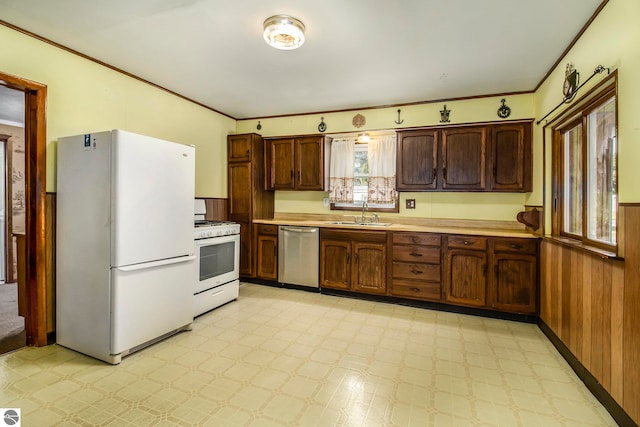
410	203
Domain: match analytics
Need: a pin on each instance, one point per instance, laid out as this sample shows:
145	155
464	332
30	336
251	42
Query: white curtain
382	169
341	170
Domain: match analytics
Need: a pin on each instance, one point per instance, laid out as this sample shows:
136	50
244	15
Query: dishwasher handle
301	229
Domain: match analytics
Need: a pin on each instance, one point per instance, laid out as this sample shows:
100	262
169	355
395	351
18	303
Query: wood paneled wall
592	304
216	209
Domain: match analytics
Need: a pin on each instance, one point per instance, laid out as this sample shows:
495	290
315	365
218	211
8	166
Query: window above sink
360	177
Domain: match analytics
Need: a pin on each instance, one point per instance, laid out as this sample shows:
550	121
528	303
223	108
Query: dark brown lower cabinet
353	260
415	266
267	252
368	270
466	281
496	273
335	261
246	249
513	284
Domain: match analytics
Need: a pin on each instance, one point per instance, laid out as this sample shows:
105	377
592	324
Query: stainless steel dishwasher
298	249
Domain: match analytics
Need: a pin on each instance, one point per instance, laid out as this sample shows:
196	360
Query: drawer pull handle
414	239
466	242
415	254
415	289
416	271
514	246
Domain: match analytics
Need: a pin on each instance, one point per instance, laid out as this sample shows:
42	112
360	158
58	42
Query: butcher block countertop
422	225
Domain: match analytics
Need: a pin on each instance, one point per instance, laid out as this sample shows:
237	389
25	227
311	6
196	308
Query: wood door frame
35	146
8	203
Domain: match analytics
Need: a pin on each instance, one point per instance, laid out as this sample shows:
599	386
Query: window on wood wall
585	173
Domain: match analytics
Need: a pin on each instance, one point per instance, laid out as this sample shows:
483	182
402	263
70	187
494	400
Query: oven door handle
154	264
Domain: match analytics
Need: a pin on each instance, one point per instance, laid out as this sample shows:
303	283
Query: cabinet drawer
415	253
409	270
416	290
416	239
467	242
527	246
268	229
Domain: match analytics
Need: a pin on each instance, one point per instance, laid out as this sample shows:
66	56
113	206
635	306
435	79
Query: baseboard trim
609	403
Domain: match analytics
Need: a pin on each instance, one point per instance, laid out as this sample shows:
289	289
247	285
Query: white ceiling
358	53
11	106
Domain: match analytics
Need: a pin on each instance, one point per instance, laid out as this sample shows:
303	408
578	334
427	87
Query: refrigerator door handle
153	264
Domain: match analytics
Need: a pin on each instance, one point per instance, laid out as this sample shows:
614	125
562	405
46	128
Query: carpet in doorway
12	333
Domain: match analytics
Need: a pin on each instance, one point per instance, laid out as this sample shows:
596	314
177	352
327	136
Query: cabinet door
267	257
369	272
246	254
309	163
282	152
335	264
513	286
463	158
466	280
240	192
417	160
510	158
239	148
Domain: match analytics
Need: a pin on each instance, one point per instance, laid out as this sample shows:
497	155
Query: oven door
217	261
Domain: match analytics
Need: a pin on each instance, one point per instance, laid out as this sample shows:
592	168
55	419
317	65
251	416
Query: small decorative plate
359	120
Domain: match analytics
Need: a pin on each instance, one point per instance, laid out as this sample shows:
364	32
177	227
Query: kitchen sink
361	224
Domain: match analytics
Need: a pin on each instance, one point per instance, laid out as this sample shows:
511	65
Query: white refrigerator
124	242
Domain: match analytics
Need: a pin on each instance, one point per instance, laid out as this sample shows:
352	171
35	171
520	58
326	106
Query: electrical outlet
325	202
410	203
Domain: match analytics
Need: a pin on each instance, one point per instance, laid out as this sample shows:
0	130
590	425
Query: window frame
370	208
579	117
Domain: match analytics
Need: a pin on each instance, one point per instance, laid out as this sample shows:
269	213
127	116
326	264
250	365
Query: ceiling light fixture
364	138
283	32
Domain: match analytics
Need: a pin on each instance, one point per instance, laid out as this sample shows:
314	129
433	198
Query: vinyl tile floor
280	357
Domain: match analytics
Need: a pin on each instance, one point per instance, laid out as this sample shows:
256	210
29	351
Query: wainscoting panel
592	304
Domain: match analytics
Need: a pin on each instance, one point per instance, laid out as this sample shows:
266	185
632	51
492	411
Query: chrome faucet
376	218
364	207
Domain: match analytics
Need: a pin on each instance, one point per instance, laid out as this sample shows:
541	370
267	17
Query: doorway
32	289
12	121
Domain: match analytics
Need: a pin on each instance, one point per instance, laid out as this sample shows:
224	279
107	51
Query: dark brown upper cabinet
464	158
417	160
511	162
295	163
240	148
491	157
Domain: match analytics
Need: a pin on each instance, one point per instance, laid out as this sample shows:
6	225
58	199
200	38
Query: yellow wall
494	206
86	97
612	40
